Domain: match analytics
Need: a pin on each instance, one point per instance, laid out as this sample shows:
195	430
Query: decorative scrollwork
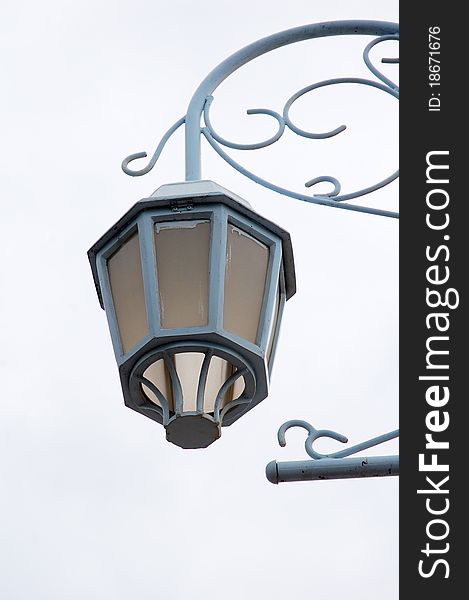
202	100
389	61
315	434
250	111
284	120
156	154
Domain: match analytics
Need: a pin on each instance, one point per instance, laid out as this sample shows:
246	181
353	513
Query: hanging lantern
193	283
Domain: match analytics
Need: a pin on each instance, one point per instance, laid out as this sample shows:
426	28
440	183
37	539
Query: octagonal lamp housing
193	283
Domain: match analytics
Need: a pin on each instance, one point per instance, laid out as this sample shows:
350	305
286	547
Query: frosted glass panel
182	258
159	375
247	260
125	276
219	371
188	365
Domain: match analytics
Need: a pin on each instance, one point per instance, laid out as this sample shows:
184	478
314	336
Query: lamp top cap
194	189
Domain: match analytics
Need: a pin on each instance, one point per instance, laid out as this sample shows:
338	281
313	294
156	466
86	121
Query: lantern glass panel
126	281
188	365
182	257
247	260
158	374
219	371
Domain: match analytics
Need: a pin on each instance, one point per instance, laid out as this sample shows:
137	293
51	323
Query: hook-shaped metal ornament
315	434
156	154
334	465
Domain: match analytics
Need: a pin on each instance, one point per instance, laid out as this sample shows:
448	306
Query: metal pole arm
334	465
332	468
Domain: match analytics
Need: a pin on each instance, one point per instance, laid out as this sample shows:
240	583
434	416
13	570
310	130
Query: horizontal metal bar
332	468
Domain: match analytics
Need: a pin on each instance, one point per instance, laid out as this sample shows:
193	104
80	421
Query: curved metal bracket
334	465
315	434
202	99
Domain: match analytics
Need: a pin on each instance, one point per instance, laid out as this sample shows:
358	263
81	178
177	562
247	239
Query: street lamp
194	282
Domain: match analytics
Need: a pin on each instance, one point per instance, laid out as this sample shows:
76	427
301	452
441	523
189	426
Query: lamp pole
197	124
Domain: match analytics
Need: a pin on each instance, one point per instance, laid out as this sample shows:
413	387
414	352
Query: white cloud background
94	504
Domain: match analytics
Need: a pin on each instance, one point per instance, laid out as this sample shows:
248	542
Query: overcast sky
94	503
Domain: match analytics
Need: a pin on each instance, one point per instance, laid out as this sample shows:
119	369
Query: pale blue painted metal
315	434
332	468
156	154
202	99
334	465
